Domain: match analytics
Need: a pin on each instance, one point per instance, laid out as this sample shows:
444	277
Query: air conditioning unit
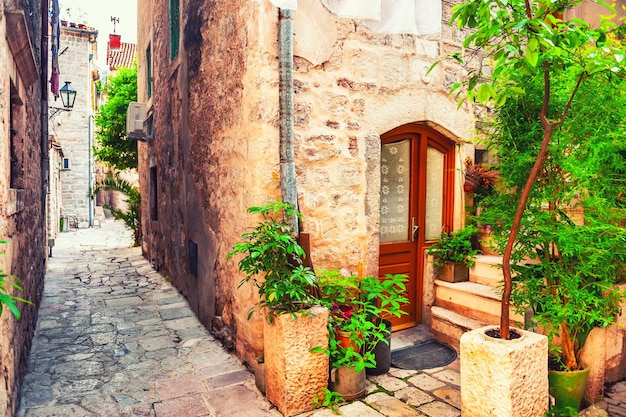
135	116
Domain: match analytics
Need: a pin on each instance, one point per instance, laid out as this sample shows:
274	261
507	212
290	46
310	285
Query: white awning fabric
418	17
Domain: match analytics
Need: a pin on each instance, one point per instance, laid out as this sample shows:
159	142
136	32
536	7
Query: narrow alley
114	338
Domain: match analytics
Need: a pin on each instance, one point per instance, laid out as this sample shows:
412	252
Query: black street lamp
68	97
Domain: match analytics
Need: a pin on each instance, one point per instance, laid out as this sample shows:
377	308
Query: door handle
414	229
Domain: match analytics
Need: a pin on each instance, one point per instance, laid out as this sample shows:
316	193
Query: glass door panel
395	191
434	193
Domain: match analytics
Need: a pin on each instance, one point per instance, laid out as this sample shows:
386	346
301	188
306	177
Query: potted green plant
539	66
480	179
273	262
569	254
388	296
454	254
571	289
347	328
359	325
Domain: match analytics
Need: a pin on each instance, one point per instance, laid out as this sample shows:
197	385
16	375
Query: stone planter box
504	378
453	272
293	374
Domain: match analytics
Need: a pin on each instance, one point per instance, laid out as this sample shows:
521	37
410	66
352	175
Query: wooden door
416	194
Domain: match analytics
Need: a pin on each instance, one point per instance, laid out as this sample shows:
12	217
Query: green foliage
272	252
370	300
523	38
132	215
7	299
561	412
517	44
330	399
455	246
570	231
113	148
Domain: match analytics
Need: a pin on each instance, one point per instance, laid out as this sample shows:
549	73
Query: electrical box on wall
135	118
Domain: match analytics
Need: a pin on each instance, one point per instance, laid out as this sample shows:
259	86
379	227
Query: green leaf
485	92
532	52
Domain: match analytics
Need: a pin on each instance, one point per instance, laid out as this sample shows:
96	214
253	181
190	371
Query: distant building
122	57
74	131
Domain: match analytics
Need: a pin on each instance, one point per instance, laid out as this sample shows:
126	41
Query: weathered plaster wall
216	139
370	84
22	216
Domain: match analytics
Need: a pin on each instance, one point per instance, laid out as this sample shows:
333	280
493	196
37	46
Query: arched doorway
416	204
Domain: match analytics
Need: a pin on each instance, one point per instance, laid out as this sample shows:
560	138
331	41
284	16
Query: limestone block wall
75	130
216	146
22	219
367	85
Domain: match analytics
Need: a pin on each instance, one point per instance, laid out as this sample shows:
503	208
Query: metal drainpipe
289	190
45	160
89	153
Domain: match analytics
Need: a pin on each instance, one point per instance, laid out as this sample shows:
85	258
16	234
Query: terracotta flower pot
472	182
347	382
343	340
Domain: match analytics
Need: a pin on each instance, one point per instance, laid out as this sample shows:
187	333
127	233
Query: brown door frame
422	136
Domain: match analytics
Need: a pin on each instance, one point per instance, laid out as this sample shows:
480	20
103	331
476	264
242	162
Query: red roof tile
121	58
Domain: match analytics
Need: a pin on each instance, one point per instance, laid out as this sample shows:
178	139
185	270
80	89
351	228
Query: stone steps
487	271
462	306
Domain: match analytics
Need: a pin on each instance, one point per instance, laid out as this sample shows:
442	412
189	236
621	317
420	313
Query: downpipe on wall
45	159
289	189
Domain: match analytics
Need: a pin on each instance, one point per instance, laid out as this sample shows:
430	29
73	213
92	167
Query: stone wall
22	219
55	155
216	145
74	130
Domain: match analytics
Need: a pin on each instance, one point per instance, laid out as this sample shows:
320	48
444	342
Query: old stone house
23	180
361	123
73	131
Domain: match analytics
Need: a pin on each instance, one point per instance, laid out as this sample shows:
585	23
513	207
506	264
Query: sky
97	14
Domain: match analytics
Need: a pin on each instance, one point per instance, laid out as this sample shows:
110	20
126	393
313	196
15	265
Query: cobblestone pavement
615	399
114	338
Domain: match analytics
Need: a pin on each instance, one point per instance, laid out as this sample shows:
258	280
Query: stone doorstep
476	301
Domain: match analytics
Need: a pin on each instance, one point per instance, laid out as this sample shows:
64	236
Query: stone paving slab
114	338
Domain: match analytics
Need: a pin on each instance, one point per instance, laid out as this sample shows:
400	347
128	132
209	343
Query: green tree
113	148
517	42
572	226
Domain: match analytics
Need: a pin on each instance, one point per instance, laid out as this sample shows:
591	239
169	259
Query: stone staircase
463	306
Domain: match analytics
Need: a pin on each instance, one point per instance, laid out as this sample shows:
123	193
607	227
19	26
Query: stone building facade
23	176
74	130
210	75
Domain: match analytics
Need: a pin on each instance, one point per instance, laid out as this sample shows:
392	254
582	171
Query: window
66	163
149	71
154	213
148	126
192	258
174	28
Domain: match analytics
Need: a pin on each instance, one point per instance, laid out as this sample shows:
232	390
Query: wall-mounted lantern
68	97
